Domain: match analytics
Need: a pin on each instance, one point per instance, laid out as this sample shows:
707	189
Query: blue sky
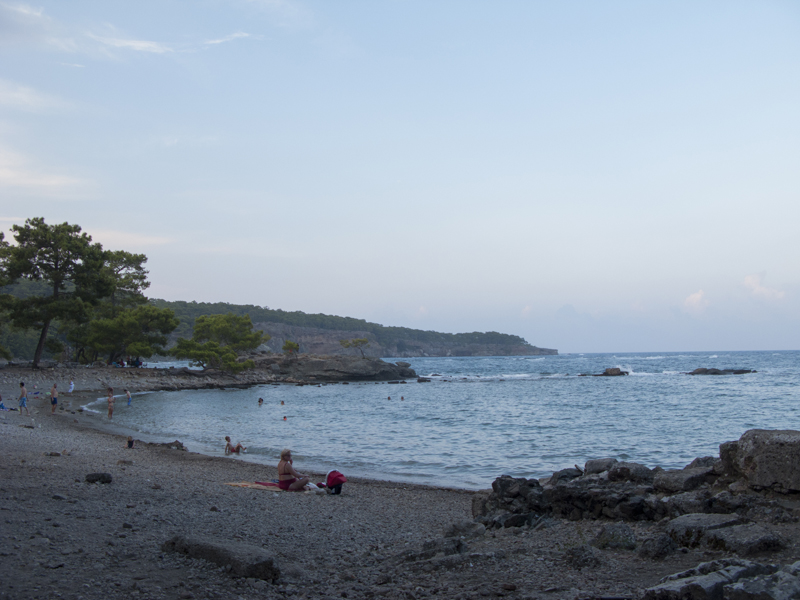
614	176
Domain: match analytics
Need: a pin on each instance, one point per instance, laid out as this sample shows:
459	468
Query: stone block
245	560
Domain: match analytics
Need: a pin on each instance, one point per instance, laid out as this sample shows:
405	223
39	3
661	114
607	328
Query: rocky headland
270	369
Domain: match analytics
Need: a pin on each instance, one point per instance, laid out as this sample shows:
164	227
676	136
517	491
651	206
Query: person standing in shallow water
128	394
110	401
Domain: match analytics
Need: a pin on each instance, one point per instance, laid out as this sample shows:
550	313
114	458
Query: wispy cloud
136	45
14	95
696	303
753	283
229	38
76	65
17	172
24	10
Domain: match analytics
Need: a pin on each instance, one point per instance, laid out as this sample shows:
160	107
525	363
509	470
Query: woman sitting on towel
288	478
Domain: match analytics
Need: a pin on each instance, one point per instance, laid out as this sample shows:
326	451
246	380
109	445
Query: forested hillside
187	312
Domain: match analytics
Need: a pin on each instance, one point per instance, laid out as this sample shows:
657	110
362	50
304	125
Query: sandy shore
64	538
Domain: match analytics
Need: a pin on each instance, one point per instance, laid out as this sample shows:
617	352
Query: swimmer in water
260	401
230	448
389	398
284	418
282	402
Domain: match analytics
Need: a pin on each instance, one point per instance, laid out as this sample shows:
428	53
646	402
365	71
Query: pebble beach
65	538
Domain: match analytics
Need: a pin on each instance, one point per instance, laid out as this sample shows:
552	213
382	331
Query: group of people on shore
23	398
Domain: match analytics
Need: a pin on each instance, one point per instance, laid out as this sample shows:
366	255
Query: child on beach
23	398
71	386
128	394
110	403
53	399
230	448
129	444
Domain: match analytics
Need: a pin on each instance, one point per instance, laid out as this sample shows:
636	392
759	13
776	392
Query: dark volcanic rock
98	477
704	371
336	368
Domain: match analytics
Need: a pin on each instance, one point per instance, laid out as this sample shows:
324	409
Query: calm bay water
483	417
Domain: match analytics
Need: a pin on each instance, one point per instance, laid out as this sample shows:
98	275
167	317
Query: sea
482	417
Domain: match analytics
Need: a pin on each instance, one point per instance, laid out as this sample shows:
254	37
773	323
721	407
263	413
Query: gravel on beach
61	537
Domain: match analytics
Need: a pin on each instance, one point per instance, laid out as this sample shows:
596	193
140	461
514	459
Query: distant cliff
320	334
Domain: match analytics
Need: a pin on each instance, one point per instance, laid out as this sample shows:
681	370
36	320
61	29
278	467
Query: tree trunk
40	346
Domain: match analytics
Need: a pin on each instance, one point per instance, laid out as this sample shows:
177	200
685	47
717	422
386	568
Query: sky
592	176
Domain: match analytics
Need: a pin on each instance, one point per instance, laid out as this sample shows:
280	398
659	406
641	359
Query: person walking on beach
23	398
110	403
71	386
128	394
53	399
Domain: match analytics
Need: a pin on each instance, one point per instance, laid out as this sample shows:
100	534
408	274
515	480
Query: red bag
334	481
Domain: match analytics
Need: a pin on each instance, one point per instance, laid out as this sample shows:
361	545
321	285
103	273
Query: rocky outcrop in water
334	368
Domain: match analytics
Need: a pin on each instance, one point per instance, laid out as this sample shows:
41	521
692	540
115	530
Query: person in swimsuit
130	443
53	399
128	394
110	400
230	448
260	401
288	478
23	398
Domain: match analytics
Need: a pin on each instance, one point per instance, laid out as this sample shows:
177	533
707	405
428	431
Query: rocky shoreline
166	525
270	369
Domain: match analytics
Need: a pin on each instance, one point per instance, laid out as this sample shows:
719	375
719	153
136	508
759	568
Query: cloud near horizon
696	303
753	283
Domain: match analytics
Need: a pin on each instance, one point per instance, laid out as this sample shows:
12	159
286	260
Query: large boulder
682	480
767	458
598	465
631	471
689	530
